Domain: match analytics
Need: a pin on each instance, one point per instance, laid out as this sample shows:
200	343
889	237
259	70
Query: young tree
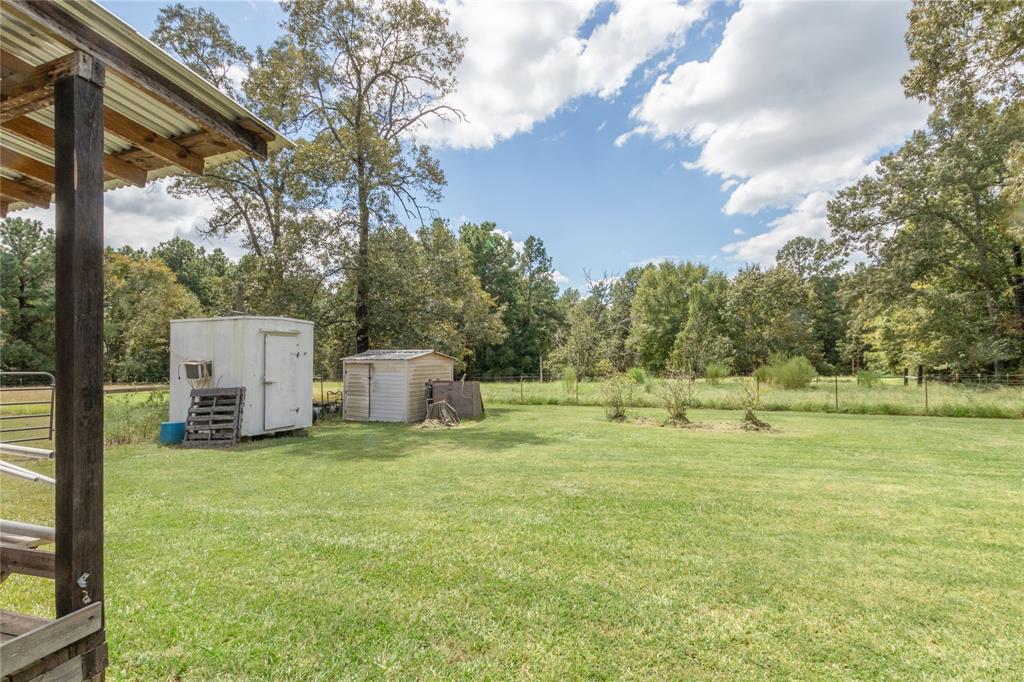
142	297
370	75
26	293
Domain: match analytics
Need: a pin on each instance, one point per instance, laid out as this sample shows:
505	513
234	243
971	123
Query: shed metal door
388	392
280	357
357	391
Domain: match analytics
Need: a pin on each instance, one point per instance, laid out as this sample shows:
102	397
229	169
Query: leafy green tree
934	217
767	315
522	286
581	343
209	276
142	296
660	309
704	339
819	265
968	46
26	293
368	76
424	295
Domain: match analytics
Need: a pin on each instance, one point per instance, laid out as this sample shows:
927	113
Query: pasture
548	542
890	397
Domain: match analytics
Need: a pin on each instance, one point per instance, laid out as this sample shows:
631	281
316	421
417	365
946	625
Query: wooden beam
52	636
26	165
152	142
69	29
26	561
13	191
42	135
28	91
78	313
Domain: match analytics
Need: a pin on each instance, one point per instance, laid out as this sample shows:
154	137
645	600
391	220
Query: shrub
569	381
715	372
604	368
868	378
796	372
638	375
677	394
617	394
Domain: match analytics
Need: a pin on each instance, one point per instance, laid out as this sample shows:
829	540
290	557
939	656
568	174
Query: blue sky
631	131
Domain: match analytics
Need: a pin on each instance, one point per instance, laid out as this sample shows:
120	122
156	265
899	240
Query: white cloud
559	278
807	220
737	231
525	60
798	98
654	260
145	217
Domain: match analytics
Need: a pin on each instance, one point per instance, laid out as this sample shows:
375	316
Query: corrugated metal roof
35	44
369	355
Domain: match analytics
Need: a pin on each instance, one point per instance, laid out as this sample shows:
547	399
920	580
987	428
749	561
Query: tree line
923	265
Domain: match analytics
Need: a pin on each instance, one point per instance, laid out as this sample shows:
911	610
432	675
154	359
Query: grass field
548	542
888	398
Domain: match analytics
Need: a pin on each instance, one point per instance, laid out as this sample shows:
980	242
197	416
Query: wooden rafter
28	91
26	165
14	190
42	135
140	74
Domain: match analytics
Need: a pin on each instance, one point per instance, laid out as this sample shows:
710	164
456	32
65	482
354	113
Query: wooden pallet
214	417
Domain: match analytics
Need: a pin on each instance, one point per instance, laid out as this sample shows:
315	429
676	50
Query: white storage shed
272	357
391	385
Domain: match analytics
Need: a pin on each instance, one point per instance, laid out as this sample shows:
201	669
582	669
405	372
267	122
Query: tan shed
391	385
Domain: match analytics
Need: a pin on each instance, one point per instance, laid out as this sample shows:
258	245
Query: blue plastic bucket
172	432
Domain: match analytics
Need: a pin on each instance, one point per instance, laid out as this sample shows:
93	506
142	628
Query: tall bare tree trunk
363	264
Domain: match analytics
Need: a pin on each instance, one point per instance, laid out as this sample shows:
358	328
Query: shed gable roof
369	355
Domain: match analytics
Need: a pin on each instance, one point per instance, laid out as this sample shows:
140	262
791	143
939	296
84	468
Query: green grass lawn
547	542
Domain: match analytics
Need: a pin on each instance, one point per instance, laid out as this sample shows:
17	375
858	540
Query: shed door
280	358
356	389
388	392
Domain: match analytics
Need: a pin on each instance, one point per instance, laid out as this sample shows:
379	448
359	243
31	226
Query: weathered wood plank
78	155
68	671
16	624
152	142
52	636
26	561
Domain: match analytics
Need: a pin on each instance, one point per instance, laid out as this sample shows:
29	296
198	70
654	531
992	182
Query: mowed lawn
546	542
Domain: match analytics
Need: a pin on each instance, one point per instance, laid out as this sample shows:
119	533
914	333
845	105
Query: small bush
678	392
869	378
637	374
569	382
129	419
715	372
617	394
796	372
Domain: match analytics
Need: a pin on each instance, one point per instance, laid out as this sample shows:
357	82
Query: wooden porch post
78	162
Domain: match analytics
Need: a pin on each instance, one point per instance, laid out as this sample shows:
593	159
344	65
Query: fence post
837	393
577	390
520	388
920	374
926	394
906	377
